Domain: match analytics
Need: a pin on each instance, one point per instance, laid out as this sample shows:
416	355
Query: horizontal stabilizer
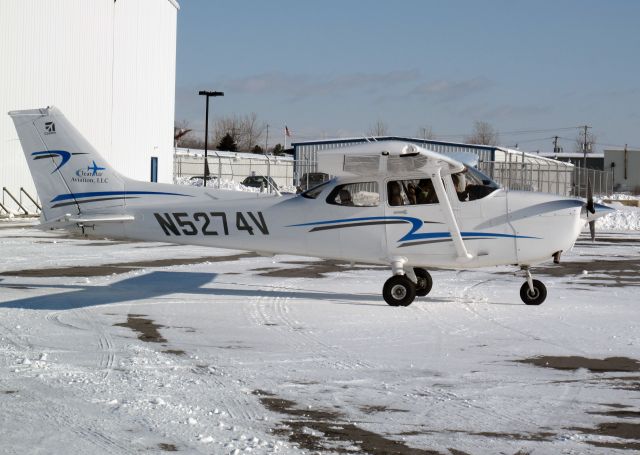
69	219
102	219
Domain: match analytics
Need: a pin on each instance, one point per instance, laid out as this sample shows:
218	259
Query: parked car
260	181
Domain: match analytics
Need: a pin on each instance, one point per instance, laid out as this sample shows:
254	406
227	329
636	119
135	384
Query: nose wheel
532	292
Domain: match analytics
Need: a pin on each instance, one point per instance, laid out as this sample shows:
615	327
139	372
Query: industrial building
624	165
108	65
594	160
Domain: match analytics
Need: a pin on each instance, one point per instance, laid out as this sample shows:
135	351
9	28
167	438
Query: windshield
480	177
471	184
314	192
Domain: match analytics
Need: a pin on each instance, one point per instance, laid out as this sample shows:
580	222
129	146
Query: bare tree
379	128
483	134
426	132
251	131
246	130
579	142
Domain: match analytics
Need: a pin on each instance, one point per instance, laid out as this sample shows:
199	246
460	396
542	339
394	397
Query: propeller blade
592	229
590	206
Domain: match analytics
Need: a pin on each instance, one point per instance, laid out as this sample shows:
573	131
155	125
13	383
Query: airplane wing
387	158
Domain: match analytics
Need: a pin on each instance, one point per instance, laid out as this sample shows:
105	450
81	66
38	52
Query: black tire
536	297
425	282
399	291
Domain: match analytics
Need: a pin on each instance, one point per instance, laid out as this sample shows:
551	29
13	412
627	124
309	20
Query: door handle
398	212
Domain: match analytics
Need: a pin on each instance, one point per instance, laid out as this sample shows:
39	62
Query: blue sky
334	68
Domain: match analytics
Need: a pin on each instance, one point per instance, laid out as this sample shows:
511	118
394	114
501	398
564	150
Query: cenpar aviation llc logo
49	128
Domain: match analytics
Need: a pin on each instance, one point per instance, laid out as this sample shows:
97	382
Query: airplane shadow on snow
158	284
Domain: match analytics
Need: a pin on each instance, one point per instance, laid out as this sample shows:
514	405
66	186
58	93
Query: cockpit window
362	194
471	184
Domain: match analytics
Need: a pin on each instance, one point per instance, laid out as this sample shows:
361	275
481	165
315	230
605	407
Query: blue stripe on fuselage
64	197
416	224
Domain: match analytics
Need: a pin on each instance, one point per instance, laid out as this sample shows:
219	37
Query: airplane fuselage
502	228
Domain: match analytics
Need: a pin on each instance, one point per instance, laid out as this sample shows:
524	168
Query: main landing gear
405	285
401	290
532	292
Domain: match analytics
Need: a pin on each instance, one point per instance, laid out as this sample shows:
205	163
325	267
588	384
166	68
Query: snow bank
623	197
623	219
229	185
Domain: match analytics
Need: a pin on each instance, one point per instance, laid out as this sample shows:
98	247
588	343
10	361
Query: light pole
206	130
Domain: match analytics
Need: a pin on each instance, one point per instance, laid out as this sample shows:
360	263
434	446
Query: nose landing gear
532	292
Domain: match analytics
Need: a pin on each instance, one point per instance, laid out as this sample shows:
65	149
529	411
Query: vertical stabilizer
71	177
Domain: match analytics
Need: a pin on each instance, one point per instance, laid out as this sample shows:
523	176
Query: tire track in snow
468	304
62	417
106	356
55	317
275	313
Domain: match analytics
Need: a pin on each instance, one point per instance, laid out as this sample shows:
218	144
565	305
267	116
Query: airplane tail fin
68	172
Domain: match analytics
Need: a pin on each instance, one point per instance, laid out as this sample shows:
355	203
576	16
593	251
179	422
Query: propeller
591	208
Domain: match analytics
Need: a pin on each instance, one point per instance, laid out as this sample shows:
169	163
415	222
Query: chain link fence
601	182
235	167
548	178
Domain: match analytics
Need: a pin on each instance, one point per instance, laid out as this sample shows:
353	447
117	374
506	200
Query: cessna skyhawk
390	203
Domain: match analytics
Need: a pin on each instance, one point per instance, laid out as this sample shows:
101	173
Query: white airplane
389	203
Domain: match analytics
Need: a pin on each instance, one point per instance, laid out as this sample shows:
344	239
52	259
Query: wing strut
445	204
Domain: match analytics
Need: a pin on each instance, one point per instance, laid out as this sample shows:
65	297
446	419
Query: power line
517	132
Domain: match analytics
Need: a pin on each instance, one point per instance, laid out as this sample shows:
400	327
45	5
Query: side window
364	194
411	192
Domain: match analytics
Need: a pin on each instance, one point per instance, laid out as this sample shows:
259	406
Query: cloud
505	111
299	86
450	90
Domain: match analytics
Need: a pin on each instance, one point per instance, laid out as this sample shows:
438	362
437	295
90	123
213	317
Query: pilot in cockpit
460	184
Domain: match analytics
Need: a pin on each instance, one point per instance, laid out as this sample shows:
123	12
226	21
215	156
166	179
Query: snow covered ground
112	347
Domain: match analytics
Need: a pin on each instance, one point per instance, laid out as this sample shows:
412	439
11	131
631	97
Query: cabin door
415	225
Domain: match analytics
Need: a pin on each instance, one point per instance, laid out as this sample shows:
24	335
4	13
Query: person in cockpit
426	193
459	182
395	196
345	197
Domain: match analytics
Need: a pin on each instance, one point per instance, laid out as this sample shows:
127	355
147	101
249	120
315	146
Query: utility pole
584	146
625	161
555	144
266	141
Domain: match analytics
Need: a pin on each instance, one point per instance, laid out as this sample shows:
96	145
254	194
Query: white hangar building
108	65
